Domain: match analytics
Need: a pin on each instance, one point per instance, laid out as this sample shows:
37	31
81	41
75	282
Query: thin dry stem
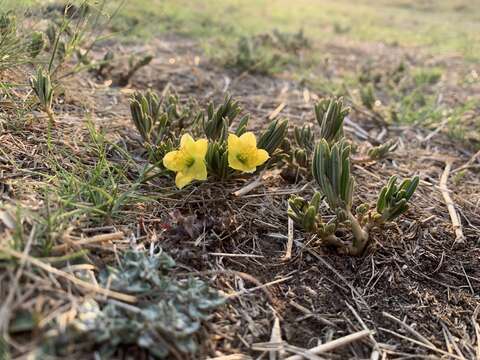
456	224
334	344
69	277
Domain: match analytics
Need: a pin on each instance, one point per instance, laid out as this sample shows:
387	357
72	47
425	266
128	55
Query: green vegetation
166	324
331	169
442	27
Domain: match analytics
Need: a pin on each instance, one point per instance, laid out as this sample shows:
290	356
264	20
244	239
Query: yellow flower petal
186	141
261	156
232	141
173	161
182	179
199	170
248	140
201	147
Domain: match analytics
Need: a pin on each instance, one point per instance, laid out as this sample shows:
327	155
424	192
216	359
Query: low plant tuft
331	169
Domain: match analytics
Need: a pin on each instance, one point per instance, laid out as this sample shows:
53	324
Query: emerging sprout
307	216
51	33
145	110
382	151
217	160
37	43
159	121
218	121
392	201
7	24
271	138
367	96
134	65
304	138
291	42
106	64
330	114
255	57
331	171
42	86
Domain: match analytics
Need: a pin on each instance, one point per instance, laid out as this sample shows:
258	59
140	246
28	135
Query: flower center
189	162
242	158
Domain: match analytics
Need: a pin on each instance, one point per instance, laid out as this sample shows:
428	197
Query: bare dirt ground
417	286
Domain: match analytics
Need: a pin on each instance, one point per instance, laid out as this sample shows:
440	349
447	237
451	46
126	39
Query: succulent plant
392	200
273	136
134	64
217	121
331	170
167	320
330	114
367	96
381	151
7	24
331	165
159	121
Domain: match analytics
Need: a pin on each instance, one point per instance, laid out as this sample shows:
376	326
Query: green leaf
381	202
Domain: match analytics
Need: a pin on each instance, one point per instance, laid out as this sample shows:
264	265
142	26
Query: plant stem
50	114
333	240
360	236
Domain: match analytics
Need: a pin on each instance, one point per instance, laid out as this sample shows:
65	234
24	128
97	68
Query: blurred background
439	26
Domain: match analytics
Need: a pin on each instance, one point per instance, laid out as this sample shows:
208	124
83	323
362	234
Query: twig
409	329
276	337
236	255
232	357
476	326
262	286
288	253
277	111
358	130
436	131
240	274
449	336
468	164
69	277
332	269
94	239
334	344
421	343
249	187
468	280
456	224
273	347
364	326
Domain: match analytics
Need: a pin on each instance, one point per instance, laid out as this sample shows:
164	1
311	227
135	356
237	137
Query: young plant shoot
331	171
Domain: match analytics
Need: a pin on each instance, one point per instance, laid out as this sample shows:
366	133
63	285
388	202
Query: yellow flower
243	154
188	161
